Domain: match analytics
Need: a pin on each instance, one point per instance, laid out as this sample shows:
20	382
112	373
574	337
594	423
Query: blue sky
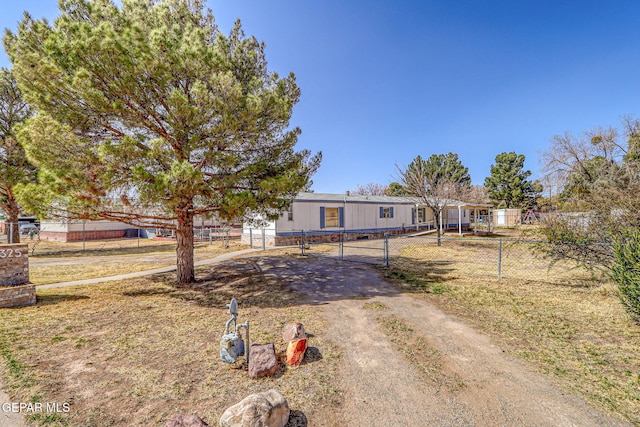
383	81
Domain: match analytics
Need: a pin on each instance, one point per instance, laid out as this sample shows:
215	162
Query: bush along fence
470	257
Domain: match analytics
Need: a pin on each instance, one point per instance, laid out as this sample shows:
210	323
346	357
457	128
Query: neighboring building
79	230
323	217
73	231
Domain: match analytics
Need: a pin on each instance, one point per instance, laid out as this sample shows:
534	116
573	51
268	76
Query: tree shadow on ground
312	355
413	275
296	419
322	279
284	281
215	285
50	299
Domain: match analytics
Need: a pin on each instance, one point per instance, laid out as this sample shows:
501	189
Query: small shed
507	217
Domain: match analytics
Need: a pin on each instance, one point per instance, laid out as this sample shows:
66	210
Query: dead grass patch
44	248
375	305
91	247
135	353
573	330
41	275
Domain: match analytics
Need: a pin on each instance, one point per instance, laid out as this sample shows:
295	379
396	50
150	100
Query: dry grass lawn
87	265
92	247
573	330
65	273
135	353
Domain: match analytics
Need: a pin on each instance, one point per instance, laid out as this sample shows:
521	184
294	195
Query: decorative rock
266	409
186	421
295	351
293	331
262	360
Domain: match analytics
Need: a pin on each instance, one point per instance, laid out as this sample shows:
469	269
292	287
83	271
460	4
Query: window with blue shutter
331	217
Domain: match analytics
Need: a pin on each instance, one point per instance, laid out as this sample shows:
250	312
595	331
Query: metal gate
346	246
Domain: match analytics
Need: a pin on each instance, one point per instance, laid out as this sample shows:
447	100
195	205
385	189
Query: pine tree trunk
13	213
184	247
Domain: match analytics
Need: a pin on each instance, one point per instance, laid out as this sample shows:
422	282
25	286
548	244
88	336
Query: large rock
262	360
293	331
186	421
266	409
295	352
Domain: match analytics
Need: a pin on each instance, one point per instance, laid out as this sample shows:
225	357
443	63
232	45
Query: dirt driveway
479	385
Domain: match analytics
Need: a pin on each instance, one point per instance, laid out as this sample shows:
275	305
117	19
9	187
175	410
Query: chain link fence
353	246
134	238
483	258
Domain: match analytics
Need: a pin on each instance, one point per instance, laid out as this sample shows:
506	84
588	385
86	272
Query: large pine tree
148	115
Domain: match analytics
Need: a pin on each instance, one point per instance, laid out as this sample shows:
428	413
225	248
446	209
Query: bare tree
436	182
476	194
370	189
577	163
597	174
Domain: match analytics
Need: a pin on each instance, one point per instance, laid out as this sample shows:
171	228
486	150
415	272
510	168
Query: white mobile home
323	217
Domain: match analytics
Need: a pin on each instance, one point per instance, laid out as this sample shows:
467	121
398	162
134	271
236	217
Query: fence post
10	233
264	240
251	238
386	250
341	246
499	259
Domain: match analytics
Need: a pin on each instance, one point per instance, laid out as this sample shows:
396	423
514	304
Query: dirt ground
382	388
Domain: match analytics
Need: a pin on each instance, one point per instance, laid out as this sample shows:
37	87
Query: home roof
348	198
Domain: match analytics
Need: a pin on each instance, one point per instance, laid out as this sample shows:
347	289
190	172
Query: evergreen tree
396	189
149	115
508	186
14	167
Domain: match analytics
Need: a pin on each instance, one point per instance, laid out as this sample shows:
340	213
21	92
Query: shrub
626	271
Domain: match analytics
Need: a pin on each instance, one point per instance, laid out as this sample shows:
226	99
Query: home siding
357	216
